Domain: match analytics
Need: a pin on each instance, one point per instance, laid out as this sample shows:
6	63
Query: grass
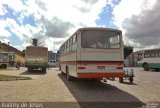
5	69
2	76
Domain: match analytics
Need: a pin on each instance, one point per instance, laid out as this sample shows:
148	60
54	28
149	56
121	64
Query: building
51	55
18	54
131	60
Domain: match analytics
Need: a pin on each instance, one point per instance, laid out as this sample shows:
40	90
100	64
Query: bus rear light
119	67
100	67
82	67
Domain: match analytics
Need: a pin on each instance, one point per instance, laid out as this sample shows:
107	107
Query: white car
52	63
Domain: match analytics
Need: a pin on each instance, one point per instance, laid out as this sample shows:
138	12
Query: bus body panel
69	61
101	56
152	63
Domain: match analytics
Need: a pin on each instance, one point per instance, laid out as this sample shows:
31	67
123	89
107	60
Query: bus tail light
82	67
119	67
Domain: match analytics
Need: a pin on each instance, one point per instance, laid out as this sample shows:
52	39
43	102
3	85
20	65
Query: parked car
52	63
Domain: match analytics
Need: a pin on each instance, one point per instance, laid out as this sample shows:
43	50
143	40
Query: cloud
17	5
56	28
56	19
139	21
2	10
41	4
4	33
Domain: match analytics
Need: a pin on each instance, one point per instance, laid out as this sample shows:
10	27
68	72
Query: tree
36	42
127	50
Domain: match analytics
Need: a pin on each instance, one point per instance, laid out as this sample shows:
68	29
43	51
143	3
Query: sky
54	21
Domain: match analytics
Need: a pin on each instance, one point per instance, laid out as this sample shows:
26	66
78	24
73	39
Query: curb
13	79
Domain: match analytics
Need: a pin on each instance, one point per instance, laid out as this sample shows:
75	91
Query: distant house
18	54
53	56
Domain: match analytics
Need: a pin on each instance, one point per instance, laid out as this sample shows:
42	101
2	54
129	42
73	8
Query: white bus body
7	59
93	53
149	59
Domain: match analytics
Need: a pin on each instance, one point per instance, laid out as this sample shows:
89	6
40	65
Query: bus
93	52
149	59
7	59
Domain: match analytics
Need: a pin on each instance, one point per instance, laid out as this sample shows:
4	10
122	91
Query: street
54	87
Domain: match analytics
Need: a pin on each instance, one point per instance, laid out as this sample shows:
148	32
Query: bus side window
67	48
146	55
139	57
74	46
70	44
156	53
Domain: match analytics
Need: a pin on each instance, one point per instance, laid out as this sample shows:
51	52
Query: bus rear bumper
100	75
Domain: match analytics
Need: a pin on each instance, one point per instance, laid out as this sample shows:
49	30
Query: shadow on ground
97	94
34	72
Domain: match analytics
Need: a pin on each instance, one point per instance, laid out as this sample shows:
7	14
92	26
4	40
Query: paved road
54	87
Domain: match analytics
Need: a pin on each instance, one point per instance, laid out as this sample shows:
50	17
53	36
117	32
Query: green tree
127	50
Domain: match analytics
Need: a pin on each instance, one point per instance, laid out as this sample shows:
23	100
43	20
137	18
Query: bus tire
145	66
44	70
3	66
60	67
62	73
121	80
30	69
131	79
69	78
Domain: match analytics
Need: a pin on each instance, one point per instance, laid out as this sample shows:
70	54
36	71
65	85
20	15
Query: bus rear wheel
30	69
145	66
44	70
121	80
69	78
131	79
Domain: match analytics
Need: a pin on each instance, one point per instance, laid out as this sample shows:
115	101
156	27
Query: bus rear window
100	39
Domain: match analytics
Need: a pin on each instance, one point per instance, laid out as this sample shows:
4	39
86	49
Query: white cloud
125	9
139	21
4	33
54	19
16	5
2	10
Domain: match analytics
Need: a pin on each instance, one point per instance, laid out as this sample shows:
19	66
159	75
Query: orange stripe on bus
100	75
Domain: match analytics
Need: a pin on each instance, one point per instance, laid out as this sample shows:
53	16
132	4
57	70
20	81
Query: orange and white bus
93	53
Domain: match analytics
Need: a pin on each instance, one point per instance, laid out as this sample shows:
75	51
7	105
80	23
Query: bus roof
98	28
